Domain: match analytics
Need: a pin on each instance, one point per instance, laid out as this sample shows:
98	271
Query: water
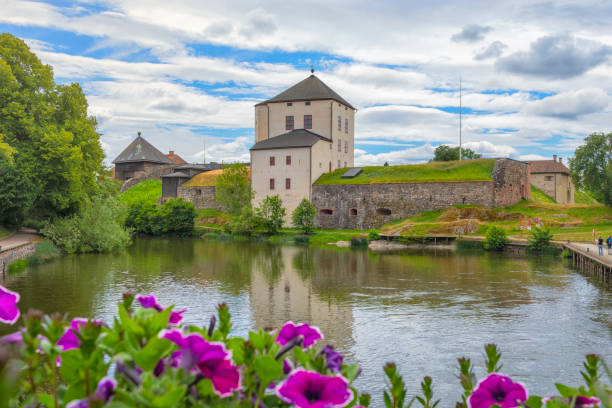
420	309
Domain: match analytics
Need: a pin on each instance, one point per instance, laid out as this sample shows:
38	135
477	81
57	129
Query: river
421	309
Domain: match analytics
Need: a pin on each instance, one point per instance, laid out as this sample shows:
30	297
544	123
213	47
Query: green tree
271	212
6	151
591	167
304	215
233	189
447	153
496	239
540	239
54	143
244	224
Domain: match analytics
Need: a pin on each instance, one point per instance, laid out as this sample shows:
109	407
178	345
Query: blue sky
536	76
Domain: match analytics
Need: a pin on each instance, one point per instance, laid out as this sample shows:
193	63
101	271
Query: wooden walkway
586	258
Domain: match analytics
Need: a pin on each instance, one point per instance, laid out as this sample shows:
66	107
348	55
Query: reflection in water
420	309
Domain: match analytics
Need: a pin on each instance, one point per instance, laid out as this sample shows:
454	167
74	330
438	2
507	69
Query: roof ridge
309	89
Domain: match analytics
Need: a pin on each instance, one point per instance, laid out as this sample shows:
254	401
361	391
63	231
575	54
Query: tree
304	215
495	239
540	239
271	212
447	153
591	167
233	189
45	128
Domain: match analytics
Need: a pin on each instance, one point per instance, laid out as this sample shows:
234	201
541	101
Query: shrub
175	216
373	236
304	215
233	189
495	239
359	242
43	252
540	239
97	228
271	213
244	224
146	357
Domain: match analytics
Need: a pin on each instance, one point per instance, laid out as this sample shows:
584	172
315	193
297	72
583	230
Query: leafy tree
540	239
17	194
271	212
244	224
447	153
591	166
175	216
495	239
233	190
304	216
46	129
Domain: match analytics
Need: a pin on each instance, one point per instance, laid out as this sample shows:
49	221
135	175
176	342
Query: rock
343	244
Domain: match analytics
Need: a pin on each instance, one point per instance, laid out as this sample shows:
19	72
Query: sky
536	76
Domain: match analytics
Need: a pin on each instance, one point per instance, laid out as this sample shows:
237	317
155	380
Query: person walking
609	242
600	245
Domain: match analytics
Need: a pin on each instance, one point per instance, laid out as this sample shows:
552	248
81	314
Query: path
17	239
593	251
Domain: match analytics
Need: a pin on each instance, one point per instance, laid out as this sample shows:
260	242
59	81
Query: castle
308	131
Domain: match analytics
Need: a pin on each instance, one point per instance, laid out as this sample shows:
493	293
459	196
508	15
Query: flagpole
460	112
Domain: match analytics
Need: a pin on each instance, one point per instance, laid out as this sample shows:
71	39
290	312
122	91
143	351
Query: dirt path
17	239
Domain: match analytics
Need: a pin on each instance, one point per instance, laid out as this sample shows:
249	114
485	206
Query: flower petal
9	313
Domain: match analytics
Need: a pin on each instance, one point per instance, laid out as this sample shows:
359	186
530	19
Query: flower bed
147	358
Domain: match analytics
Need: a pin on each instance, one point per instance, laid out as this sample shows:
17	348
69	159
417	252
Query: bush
373	236
244	224
304	215
43	252
540	239
146	357
271	213
359	242
495	239
233	189
97	228
175	216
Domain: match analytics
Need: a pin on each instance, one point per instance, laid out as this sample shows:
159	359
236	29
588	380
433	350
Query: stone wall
362	206
150	173
201	196
8	256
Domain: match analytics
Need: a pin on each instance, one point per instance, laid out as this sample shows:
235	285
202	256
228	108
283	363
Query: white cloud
488	149
414	155
572	104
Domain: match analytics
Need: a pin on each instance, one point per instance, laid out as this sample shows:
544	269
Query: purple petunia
150	302
211	359
498	389
580	401
309	389
104	393
9	313
334	359
69	339
290	331
13	338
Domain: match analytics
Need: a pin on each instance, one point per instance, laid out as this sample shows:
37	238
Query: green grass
538	196
465	170
43	252
582	197
148	191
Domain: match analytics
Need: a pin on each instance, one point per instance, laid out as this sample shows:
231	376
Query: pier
585	258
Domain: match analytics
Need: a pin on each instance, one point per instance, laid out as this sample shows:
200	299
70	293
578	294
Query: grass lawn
538	196
582	197
465	170
208	178
146	191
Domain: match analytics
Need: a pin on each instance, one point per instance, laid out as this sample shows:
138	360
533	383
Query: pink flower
290	331
13	338
150	302
211	359
580	401
309	389
498	389
9	313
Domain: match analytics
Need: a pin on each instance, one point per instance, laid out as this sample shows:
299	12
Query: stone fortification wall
202	197
357	206
152	172
10	255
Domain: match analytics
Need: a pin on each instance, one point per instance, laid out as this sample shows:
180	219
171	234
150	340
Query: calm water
421	310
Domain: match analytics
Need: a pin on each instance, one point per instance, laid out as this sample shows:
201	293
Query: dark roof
176	174
310	89
547	166
354	172
175	158
295	138
142	151
196	166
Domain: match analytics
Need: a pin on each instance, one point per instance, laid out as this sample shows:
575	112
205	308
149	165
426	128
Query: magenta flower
334	359
69	339
211	359
150	302
290	331
9	313
13	338
498	389
309	389
580	401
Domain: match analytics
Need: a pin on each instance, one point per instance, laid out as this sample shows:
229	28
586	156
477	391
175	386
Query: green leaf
205	387
301	357
258	340
534	402
268	369
169	399
350	371
46	399
72	364
148	357
128	324
566	391
236	345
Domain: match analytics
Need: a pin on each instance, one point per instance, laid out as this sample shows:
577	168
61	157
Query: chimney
554	157
561	160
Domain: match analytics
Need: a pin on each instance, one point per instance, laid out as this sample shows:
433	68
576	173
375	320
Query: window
320	165
271	160
339	145
353	211
338	163
344	164
288	183
326	211
288	160
271	184
307	103
383	211
289	104
307	121
345	125
288	122
339	122
346	146
548	178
